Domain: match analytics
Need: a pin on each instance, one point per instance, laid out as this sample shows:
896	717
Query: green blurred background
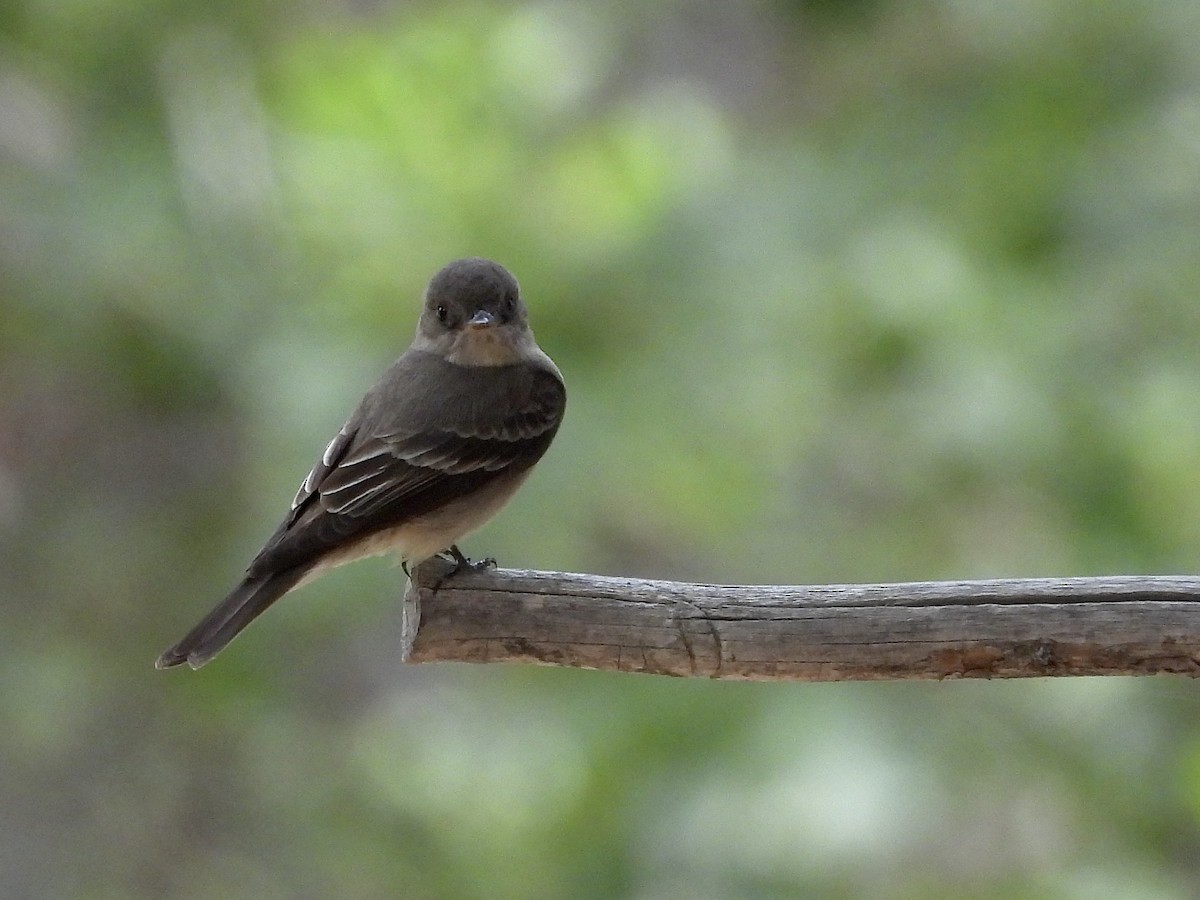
842	292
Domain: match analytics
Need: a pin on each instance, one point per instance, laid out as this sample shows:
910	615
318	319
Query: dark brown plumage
434	449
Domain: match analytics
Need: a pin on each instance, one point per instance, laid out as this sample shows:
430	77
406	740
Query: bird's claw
463	564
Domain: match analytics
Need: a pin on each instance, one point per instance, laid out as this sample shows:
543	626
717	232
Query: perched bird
433	451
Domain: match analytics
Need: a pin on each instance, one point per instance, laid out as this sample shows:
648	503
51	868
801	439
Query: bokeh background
843	291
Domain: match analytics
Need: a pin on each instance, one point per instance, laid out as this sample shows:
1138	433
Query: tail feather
244	604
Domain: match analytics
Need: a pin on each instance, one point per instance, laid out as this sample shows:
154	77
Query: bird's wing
374	477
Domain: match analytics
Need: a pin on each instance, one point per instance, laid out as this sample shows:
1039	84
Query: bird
434	450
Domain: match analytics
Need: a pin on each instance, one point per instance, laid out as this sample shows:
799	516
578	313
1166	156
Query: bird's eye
443	314
510	304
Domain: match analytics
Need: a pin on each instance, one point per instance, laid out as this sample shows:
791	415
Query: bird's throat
497	346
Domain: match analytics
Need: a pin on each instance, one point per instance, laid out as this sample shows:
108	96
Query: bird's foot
462	564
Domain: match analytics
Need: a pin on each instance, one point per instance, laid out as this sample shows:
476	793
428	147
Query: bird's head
474	315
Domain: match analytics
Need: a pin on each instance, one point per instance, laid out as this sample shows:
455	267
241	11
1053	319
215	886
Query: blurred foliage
843	291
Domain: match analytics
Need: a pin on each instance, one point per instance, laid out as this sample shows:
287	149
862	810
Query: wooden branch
1007	628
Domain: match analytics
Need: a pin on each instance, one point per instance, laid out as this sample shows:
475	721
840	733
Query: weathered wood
1007	628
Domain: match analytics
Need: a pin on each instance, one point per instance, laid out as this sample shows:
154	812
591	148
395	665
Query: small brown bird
433	451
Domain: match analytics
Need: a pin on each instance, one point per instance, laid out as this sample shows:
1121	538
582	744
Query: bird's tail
244	604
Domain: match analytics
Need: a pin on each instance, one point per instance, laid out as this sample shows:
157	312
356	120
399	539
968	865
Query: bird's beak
481	319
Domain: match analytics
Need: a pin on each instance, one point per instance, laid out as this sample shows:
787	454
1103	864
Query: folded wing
374	475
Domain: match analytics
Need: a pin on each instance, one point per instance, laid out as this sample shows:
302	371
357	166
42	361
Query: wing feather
372	476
